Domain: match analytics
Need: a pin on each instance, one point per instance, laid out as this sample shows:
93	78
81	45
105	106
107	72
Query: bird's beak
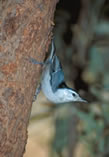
82	100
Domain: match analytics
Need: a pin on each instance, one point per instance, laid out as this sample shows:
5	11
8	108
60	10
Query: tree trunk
25	31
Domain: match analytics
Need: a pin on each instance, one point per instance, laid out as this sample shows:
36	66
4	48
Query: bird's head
69	95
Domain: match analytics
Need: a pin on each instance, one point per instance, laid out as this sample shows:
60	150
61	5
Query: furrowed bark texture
25	31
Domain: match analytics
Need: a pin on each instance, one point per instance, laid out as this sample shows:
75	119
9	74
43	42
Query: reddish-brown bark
25	30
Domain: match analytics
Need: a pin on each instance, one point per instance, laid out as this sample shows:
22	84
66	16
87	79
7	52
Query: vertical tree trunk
25	30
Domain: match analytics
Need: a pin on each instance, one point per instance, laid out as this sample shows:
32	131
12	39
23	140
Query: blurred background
82	43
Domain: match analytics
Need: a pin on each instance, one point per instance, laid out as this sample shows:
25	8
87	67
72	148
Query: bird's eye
74	94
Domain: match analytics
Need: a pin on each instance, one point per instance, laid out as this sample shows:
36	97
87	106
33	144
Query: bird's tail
52	52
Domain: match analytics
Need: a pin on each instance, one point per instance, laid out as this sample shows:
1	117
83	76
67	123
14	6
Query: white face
68	95
75	96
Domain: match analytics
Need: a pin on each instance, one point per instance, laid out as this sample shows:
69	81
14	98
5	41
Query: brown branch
25	30
85	29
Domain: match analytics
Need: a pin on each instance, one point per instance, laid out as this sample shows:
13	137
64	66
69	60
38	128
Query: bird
53	83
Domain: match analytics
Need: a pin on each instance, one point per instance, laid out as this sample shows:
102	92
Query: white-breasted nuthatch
52	82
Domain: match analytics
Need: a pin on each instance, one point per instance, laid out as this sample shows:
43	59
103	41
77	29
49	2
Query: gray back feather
57	75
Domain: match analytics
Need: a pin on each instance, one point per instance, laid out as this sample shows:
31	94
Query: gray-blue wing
57	79
57	74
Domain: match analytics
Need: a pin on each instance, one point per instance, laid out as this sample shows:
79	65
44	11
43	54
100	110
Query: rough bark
25	30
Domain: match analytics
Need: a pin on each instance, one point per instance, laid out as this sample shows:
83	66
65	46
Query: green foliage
95	121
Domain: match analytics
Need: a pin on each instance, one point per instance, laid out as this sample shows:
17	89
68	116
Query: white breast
47	90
